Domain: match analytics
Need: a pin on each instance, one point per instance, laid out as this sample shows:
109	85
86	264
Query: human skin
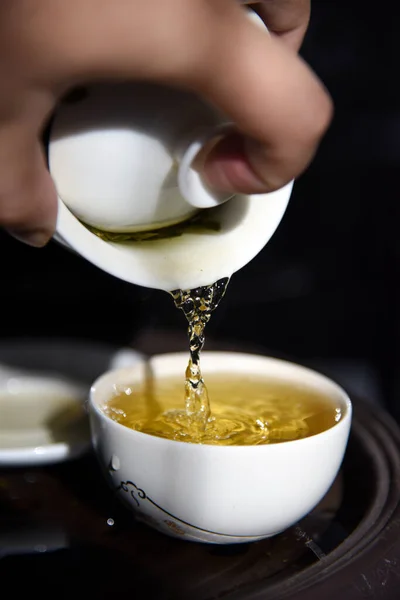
48	47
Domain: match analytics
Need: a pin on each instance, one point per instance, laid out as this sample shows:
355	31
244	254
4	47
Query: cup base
180	530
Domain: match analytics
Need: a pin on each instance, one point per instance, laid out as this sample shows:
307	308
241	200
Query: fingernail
227	168
35	237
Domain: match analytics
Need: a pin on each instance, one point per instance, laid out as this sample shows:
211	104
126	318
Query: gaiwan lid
122	155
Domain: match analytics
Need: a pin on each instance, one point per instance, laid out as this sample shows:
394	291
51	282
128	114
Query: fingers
277	103
279	106
28	206
210	46
28	200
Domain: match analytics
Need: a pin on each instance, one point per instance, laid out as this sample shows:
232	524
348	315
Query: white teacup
218	494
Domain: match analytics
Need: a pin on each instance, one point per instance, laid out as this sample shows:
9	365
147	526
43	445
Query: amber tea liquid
245	410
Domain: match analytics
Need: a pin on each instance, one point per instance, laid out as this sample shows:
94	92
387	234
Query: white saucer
44	385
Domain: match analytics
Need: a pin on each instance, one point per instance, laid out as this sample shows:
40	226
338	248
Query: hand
48	47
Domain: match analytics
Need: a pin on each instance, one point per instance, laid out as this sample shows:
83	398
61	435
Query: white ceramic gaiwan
217	494
121	157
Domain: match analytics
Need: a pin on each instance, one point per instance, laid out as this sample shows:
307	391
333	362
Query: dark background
325	289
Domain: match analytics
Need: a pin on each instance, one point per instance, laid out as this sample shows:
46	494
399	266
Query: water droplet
115	463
